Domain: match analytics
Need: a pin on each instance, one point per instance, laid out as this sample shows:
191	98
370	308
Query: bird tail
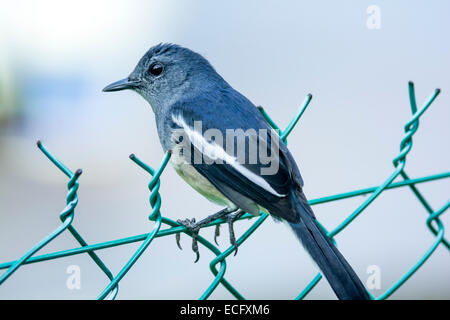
343	280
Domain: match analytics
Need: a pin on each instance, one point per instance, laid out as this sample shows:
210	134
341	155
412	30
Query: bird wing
237	180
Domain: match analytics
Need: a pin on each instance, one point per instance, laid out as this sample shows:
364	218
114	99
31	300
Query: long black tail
334	267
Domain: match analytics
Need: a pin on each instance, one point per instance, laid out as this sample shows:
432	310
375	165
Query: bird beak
121	85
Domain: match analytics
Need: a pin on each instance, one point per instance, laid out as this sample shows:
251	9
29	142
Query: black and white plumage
183	88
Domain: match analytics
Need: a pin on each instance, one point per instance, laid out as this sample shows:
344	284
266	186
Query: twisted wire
218	264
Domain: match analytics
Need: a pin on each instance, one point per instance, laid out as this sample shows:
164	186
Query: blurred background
55	57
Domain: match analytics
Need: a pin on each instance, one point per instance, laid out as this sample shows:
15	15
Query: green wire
111	290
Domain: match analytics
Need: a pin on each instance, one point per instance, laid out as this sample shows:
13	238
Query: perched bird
195	111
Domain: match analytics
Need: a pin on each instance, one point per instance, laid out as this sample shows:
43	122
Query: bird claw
230	220
177	238
216	233
194	229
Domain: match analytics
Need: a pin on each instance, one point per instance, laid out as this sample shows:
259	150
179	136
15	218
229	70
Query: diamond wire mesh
433	222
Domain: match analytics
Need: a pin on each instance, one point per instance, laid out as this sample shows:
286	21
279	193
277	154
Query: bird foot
194	229
230	218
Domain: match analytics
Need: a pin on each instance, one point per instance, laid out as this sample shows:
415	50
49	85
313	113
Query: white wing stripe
214	151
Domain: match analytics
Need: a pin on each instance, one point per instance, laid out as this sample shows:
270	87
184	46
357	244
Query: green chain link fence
218	265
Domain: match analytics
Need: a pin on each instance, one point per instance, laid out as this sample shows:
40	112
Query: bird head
166	72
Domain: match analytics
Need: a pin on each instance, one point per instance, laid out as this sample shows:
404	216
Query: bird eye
156	69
